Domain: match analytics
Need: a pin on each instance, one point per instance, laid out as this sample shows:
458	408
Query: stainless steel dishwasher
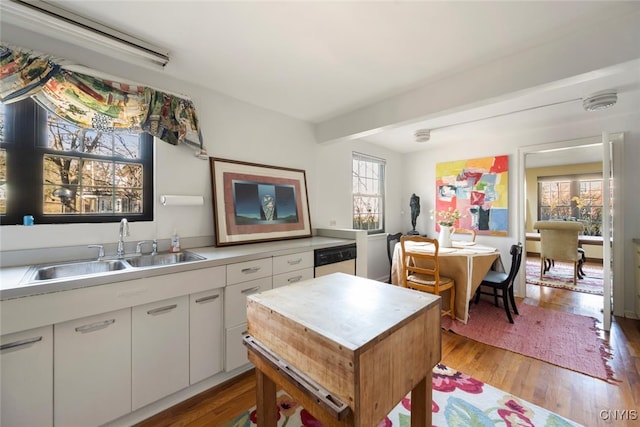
336	259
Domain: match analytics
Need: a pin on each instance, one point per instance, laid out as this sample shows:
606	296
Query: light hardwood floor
576	396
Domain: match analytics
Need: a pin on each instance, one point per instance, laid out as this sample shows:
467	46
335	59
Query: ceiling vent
600	101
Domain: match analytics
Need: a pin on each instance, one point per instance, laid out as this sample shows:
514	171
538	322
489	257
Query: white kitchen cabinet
160	349
26	373
292	268
292	262
92	369
235	300
235	319
235	351
249	270
205	334
292	277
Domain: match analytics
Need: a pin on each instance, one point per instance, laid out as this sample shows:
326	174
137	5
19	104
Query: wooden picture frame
257	203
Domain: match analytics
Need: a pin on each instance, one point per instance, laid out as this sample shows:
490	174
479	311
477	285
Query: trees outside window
368	193
60	173
572	199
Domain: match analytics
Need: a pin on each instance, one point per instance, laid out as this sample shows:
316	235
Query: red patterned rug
563	339
561	276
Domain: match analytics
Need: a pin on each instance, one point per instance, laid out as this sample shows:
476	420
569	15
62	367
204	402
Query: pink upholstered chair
559	242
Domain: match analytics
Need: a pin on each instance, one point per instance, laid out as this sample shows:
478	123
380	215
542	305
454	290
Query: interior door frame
617	229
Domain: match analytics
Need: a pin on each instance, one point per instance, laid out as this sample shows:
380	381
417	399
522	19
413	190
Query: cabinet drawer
26	397
249	270
286	263
236	352
235	299
292	277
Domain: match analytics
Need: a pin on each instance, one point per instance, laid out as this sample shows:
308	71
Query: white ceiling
317	60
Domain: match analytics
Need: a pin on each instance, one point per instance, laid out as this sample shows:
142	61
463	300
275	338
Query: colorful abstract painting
479	189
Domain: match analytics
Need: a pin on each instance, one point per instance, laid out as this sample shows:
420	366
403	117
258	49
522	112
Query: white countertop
12	286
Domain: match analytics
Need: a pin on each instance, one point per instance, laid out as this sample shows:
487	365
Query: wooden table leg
421	397
266	406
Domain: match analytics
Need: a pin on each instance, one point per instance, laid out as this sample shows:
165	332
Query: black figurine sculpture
414	203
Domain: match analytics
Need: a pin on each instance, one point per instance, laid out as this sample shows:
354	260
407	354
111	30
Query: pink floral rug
561	276
458	400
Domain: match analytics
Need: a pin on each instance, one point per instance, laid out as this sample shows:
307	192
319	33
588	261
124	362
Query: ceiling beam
564	61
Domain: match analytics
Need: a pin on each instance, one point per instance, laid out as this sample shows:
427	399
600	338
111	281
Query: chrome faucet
154	247
124	231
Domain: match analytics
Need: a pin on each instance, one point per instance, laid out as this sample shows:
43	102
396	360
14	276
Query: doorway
560	156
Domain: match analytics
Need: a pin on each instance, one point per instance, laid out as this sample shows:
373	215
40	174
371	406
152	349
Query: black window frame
25	136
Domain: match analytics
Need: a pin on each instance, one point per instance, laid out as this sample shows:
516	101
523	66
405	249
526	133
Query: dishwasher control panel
334	254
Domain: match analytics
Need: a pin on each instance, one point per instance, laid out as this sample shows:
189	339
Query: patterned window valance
96	103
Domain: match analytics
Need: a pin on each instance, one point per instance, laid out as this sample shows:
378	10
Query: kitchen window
368	193
61	173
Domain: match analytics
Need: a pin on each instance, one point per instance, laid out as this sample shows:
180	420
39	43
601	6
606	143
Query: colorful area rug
564	339
561	276
458	400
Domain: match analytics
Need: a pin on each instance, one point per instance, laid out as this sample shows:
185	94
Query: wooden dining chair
392	239
421	270
502	282
465	234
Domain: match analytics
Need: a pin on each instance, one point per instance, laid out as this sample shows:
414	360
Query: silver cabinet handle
162	309
95	326
294	261
250	290
250	270
294	279
206	299
20	343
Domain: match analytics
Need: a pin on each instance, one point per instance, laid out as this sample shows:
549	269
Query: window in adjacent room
61	173
368	193
573	198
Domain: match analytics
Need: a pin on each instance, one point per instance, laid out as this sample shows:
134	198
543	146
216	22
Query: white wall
231	129
419	170
333	196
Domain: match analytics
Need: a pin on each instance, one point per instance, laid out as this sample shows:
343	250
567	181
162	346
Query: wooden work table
347	348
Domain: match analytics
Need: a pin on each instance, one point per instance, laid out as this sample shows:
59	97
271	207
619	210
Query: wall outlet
332	223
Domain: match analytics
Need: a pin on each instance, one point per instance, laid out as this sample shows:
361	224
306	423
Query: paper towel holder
178	200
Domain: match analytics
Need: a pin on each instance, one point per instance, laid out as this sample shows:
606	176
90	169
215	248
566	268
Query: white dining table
466	263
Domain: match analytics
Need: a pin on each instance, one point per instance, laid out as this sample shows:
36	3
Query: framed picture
256	203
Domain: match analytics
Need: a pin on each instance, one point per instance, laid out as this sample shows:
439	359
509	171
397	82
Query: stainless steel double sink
94	268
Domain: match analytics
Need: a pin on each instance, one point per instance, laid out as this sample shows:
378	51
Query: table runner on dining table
466	263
